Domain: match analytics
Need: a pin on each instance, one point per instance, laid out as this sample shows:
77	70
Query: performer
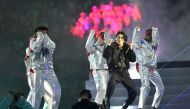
29	73
41	76
118	54
145	50
31	76
98	64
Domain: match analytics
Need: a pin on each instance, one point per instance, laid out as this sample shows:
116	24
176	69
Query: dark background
18	19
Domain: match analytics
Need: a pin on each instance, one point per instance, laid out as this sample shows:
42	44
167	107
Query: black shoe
106	104
125	106
153	108
101	106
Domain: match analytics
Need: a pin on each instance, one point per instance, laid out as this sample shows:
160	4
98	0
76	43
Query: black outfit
85	104
118	65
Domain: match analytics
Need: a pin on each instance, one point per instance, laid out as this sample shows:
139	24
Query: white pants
46	85
148	74
100	78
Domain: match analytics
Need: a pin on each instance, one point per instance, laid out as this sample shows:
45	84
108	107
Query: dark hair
123	33
148	35
86	92
41	28
101	35
148	32
16	95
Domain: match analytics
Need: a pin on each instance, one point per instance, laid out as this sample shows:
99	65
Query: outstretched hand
138	27
109	42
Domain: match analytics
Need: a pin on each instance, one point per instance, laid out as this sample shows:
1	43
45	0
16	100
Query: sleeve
155	37
136	37
95	106
36	44
48	43
107	53
26	58
131	55
90	42
107	37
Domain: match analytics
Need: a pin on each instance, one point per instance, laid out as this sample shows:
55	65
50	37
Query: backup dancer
98	64
145	50
41	76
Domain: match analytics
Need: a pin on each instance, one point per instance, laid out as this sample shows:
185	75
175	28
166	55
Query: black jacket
85	104
115	55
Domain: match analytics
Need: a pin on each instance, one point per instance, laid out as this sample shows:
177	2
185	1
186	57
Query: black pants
123	77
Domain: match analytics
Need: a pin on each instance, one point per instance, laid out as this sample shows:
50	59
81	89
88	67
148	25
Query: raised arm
36	42
27	58
108	37
48	43
90	42
155	37
136	37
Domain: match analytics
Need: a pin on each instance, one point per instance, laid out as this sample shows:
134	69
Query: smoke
172	18
179	20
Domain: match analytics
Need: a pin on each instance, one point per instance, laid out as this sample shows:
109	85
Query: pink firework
114	18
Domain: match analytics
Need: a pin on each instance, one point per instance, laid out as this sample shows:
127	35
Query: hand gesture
109	42
130	44
139	26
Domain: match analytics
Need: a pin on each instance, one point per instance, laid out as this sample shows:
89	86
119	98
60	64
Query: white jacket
43	48
145	51
96	60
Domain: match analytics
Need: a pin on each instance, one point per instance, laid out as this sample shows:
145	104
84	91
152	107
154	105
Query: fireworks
106	16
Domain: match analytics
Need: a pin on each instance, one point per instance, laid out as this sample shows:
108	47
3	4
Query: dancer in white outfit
41	76
145	50
98	64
